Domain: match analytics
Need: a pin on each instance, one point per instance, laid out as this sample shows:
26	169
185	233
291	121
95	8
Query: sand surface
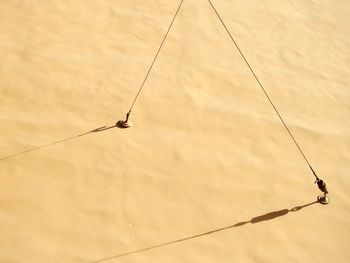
208	173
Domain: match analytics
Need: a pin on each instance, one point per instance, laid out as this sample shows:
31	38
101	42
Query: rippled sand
208	173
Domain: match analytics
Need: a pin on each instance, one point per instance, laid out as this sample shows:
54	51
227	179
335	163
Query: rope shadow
254	220
100	129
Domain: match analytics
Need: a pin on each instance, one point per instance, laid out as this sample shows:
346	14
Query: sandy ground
208	173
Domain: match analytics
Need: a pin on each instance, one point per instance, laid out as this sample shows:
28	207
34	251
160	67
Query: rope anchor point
323	199
123	124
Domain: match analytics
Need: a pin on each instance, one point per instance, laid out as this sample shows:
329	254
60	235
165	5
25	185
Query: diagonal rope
263	89
155	58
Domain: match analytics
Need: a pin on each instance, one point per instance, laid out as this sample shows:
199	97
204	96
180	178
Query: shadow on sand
100	129
258	219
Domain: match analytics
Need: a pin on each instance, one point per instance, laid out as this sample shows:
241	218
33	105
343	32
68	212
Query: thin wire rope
155	57
263	89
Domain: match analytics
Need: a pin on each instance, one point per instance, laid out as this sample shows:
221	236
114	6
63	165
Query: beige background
206	152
